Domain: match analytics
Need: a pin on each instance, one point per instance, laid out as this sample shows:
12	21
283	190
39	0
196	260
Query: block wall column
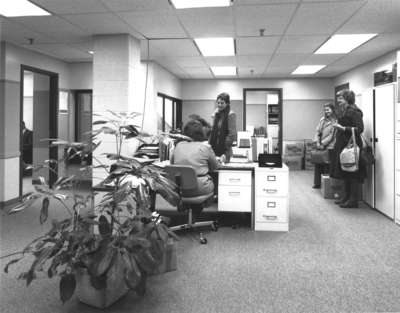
9	133
116	77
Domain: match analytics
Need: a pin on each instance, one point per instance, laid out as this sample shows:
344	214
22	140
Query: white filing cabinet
234	191
271	199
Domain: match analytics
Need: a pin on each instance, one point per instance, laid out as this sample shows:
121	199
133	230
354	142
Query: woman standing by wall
325	140
223	132
350	117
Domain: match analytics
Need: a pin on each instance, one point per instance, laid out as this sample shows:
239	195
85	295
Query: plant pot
169	260
86	293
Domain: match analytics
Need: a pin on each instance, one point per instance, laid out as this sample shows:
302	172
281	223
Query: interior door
366	104
384	149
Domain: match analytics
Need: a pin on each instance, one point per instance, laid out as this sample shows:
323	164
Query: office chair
186	179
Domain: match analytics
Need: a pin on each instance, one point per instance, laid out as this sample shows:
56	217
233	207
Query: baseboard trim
4	204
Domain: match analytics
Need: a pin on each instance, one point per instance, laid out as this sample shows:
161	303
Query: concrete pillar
117	76
9	127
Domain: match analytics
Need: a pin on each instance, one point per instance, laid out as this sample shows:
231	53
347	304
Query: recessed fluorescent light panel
187	4
224	70
12	8
338	44
307	69
211	47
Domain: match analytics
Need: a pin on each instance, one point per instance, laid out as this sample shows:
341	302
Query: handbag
367	154
350	155
320	156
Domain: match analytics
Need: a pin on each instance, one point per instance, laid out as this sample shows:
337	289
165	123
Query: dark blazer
27	146
352	117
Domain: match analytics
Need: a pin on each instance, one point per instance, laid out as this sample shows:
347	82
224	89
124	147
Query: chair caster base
203	240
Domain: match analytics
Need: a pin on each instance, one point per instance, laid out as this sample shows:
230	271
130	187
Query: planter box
169	260
86	293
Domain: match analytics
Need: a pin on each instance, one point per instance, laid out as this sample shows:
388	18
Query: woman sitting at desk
198	155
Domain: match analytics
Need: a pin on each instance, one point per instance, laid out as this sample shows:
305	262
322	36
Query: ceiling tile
19	34
221	61
250	72
300	44
380	44
375	17
332	71
272	18
137	5
208	22
174	47
321	18
102	23
188	61
256	45
154	24
61	51
325	59
254	61
72	6
248	2
353	59
55	27
198	72
280	71
287	59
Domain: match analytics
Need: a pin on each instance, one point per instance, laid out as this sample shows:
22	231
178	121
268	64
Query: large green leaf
67	287
44	211
104	226
9	263
106	261
132	273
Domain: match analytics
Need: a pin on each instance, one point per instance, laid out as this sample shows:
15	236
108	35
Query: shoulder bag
350	155
367	154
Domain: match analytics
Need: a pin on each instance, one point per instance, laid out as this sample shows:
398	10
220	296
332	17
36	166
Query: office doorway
38	119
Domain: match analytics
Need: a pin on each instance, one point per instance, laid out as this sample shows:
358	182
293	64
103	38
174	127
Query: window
169	113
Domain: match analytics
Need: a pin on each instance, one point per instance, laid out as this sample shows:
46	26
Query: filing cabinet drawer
234	178
271	210
234	198
271	184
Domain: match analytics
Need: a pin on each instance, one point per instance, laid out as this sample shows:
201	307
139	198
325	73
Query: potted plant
116	242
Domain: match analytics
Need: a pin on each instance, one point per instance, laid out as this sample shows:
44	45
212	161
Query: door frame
280	104
53	120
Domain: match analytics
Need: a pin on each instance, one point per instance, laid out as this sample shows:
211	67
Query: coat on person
351	117
223	132
325	133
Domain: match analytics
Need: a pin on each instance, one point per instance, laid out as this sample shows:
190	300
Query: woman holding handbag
325	140
350	118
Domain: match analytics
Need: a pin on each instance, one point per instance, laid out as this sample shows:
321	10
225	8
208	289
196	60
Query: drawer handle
234	193
271	204
270	190
234	179
271	178
270	217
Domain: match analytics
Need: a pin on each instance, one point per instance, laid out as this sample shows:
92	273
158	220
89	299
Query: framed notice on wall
63	102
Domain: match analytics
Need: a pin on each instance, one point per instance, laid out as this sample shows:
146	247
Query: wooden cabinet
271	199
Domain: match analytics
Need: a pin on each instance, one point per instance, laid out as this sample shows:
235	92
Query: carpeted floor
331	260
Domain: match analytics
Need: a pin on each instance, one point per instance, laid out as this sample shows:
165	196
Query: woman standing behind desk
223	132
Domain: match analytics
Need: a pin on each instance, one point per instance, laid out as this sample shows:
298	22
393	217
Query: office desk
246	187
261	191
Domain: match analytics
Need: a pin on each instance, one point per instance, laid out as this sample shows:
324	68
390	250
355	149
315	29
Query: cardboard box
332	188
293	162
293	148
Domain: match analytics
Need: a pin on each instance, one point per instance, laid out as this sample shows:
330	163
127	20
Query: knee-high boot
346	194
352	202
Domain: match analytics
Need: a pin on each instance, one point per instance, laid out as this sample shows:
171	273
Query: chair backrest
183	175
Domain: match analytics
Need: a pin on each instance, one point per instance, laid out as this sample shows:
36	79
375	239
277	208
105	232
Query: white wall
293	89
81	75
302	100
362	77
